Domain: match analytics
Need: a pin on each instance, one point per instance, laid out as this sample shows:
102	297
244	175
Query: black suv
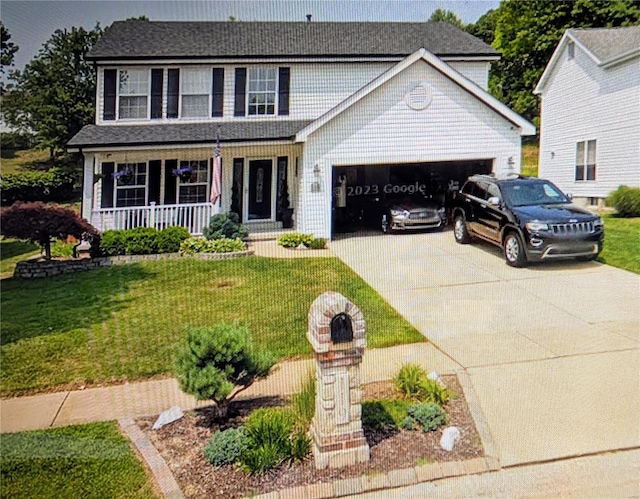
530	218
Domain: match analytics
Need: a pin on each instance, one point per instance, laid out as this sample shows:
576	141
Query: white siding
382	128
582	101
476	71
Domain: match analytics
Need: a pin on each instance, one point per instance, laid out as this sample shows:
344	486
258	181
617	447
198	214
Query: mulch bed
181	443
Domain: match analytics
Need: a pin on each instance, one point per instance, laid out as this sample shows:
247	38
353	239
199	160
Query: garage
362	196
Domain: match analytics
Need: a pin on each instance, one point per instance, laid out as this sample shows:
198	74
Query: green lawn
124	322
11	252
621	243
14	161
88	461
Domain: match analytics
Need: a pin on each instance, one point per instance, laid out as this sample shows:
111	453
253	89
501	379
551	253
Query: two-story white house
590	113
385	107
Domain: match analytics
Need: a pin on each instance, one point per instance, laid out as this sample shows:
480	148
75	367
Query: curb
158	466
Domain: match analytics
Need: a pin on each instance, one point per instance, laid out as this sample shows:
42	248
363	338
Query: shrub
40	223
626	201
432	391
142	241
300	446
60	249
376	417
16	141
317	243
200	245
225	447
303	403
217	363
54	185
225	225
295	239
426	416
170	238
113	242
408	381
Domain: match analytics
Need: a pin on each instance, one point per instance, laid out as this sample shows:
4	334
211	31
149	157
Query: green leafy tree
485	27
527	32
8	48
55	94
217	363
40	223
447	16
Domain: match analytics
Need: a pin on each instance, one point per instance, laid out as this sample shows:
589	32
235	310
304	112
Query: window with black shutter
173	92
218	92
156	93
170	181
109	111
240	92
283	91
106	200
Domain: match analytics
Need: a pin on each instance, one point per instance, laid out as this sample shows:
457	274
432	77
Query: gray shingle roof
135	39
187	133
609	43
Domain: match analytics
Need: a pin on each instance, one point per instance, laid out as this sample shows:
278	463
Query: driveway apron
552	349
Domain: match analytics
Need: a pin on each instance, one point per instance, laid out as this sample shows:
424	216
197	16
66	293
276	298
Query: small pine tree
39	223
217	363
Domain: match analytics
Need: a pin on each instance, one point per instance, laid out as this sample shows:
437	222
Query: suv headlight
399	213
597	223
536	226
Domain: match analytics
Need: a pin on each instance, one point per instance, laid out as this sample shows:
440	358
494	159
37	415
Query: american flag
217	172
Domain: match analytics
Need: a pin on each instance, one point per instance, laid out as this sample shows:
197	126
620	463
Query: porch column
87	186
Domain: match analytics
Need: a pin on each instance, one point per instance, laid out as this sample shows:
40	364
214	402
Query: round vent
419	97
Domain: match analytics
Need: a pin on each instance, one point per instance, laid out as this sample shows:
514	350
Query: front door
260	185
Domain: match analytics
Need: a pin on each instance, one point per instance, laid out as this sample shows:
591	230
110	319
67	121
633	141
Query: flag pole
216	180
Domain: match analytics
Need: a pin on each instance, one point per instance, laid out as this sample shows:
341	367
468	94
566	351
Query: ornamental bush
626	201
225	447
413	384
217	363
426	417
142	241
54	185
200	245
225	225
170	238
295	239
113	242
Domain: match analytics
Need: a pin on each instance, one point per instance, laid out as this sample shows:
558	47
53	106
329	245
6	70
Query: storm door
260	186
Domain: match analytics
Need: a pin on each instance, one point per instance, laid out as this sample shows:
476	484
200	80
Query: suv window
532	192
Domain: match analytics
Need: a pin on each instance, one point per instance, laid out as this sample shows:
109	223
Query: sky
31	23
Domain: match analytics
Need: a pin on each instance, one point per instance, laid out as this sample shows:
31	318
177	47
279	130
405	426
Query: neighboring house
590	113
301	108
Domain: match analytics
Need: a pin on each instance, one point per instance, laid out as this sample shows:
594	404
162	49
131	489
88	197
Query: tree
485	27
7	52
447	16
217	363
55	94
528	31
40	223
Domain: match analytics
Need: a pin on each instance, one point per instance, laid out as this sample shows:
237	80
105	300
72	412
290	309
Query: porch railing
192	216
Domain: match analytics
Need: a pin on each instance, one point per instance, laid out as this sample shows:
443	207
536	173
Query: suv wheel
460	231
514	250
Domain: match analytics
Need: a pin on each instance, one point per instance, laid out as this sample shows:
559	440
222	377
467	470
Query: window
131	181
586	160
133	92
196	87
193	188
262	87
571	50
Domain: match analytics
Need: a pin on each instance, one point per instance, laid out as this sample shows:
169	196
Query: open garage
363	195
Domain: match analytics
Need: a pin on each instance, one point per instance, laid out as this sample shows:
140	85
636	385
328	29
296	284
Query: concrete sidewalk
148	398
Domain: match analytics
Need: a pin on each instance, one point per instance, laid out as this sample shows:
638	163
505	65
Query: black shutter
155	168
156	93
284	75
282	191
241	83
170	181
218	92
173	91
109	111
237	186
106	200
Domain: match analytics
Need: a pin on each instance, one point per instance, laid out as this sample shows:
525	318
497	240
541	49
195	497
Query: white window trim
181	94
119	70
276	92
208	183
117	187
586	161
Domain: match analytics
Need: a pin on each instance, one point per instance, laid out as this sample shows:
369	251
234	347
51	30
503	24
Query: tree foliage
39	223
216	363
447	16
528	31
55	94
8	50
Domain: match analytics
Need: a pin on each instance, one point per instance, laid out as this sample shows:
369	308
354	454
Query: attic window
571	48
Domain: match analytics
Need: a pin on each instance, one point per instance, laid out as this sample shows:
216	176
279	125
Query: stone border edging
36	268
161	473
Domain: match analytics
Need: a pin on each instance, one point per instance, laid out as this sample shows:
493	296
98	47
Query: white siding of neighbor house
582	101
315	88
381	128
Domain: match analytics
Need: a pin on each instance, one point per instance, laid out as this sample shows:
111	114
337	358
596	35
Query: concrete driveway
552	350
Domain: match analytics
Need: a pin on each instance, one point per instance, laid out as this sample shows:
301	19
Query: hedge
53	186
142	241
626	201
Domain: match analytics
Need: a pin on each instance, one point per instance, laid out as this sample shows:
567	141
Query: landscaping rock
168	416
449	438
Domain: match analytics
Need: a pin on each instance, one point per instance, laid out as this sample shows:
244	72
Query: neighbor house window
586	160
195	90
262	86
193	188
131	184
133	93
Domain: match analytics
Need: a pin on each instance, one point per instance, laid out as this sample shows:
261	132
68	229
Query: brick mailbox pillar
337	335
